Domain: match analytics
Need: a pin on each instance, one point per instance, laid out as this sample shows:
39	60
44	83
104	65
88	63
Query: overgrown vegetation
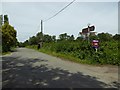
8	35
84	51
80	50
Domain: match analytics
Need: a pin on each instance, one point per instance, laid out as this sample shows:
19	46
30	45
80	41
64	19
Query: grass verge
8	52
64	56
5	53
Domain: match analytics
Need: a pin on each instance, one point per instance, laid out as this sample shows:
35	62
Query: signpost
87	31
95	44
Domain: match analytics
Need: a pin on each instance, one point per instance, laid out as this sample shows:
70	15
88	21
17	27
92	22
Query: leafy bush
80	49
9	39
107	52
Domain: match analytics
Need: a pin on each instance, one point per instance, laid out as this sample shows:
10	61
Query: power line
59	11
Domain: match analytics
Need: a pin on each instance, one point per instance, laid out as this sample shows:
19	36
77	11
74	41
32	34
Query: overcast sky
26	16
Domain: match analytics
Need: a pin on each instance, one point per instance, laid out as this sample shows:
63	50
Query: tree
63	36
6	19
26	43
33	40
93	37
71	38
1	20
47	38
21	44
8	37
0	40
105	36
39	37
79	39
116	37
53	38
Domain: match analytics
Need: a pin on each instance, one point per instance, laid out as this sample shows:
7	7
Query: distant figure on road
38	46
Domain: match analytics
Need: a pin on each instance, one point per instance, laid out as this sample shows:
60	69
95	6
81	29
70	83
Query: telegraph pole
41	26
41	43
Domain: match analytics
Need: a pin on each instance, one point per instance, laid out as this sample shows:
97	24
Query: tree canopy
105	36
8	35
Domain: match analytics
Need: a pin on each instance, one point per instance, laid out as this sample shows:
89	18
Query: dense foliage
8	35
82	50
107	52
34	40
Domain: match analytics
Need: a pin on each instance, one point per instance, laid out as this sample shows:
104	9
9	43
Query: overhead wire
58	11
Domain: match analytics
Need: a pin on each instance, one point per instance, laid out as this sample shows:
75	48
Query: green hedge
107	51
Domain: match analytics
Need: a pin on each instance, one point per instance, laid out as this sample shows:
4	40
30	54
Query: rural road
27	68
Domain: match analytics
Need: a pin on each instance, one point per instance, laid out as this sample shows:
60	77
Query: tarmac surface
27	68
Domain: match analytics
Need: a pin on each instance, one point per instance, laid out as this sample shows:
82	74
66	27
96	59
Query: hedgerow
107	52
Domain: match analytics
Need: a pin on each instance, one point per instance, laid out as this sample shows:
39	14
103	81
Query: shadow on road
20	73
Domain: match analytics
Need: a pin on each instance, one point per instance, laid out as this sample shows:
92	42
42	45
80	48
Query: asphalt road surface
27	68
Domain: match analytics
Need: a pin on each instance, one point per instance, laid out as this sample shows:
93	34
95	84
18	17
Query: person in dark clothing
38	46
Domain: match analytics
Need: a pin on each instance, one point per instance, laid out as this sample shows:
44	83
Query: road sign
95	43
85	30
92	28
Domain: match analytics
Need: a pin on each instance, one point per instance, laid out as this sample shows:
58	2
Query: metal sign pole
88	32
96	49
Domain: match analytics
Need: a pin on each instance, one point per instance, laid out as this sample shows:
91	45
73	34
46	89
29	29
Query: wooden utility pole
41	41
41	26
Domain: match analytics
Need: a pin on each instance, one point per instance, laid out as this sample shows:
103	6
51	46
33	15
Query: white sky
26	16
